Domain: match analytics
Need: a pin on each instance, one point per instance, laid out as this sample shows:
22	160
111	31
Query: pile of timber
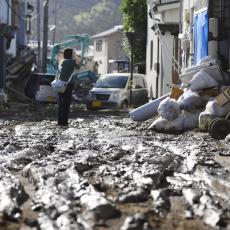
17	75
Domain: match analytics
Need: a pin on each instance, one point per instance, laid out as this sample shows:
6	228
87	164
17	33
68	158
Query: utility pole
2	62
55	22
45	36
39	34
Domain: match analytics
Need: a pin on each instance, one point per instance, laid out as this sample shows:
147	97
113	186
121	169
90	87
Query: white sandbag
208	59
227	139
146	111
188	73
169	109
163	125
185	121
202	80
214	109
190	100
191	119
215	73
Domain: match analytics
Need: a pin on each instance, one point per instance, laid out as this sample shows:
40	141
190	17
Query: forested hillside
82	16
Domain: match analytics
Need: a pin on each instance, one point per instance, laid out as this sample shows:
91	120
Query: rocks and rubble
112	174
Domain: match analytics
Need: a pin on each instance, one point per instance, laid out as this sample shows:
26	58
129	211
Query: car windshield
112	82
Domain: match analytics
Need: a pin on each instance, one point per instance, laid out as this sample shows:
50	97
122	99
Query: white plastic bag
190	100
59	86
169	109
190	119
214	109
163	125
185	121
202	80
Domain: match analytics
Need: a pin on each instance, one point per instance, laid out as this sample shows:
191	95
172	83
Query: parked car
113	91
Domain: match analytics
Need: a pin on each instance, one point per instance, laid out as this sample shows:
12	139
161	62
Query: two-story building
108	46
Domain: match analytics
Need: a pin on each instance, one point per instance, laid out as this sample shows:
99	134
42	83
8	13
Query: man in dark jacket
66	68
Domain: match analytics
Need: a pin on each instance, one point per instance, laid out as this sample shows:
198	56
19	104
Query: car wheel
124	105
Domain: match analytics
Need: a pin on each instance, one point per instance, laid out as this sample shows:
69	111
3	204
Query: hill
77	16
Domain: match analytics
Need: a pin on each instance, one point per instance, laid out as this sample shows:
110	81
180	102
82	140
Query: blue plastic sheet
200	36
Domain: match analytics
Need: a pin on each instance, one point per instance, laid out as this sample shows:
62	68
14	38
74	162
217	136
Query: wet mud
105	171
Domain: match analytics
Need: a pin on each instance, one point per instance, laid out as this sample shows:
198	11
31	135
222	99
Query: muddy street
107	172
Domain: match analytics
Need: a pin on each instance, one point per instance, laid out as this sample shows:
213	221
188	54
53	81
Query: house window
151	55
99	45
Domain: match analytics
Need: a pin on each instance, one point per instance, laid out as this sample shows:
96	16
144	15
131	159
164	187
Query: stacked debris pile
18	72
203	95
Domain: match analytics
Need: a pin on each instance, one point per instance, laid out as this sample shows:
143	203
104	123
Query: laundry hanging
200	35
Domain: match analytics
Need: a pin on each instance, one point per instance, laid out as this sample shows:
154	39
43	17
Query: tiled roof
108	32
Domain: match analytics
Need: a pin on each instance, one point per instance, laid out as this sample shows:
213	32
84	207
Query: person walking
66	68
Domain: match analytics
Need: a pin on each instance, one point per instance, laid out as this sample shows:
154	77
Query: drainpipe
157	67
180	32
2	69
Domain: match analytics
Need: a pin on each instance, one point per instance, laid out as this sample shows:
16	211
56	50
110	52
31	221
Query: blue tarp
200	36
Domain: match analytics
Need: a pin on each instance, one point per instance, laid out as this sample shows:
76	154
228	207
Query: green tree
134	14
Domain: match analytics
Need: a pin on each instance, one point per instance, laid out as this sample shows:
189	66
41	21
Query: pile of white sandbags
185	112
173	118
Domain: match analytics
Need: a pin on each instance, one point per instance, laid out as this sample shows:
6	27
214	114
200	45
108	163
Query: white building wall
111	49
101	56
167	57
158	84
171	15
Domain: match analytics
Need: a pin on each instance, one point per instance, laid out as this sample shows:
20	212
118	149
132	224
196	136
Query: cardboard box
176	92
223	98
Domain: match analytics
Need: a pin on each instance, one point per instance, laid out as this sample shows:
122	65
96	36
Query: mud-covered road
107	172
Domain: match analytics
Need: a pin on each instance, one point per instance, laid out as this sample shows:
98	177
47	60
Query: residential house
162	46
108	46
180	34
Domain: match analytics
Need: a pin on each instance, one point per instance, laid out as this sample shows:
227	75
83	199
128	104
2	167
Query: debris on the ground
203	95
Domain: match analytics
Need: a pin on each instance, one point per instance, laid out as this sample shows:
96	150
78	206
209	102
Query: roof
109	32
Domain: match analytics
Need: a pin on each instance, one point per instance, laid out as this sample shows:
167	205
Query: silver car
114	91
